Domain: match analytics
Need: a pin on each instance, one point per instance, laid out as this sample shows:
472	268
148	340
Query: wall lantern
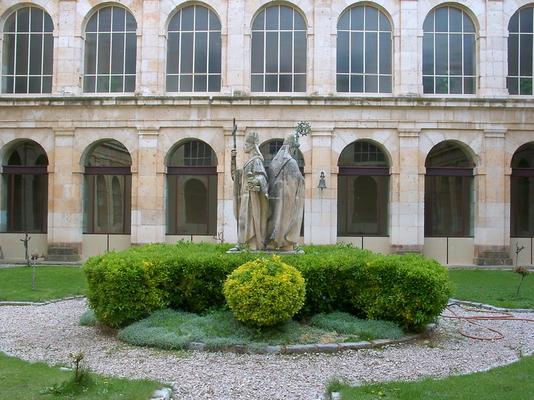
322	181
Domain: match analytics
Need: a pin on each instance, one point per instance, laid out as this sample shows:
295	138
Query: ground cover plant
169	329
498	288
509	382
22	380
52	282
128	286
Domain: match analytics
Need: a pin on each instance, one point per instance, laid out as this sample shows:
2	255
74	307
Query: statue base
266	251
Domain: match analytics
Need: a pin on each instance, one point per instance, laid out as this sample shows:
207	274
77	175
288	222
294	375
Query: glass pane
357	47
344	21
469	85
23	20
259	21
343	52
117	84
300	83
513	55
271	52
428	25
371	52
129	83
442	85
456	54
90	53
186	83
299	22
201	18
300	52
104	19
131	25
428	84
9	54
286	18
271	83
215	53
214	83
21	84
384	24
48	54
187	18
22	54
117	53
442	56
385	53
385	84
512	85
91	24
271	18
201	83
172	84
442	19
371	84
103	53
468	24
428	54
89	84
371	18
186	62
455	16
201	52
513	25
36	43
456	85
174	23
36	20
286	52
525	55
525	20
257	83
357	18
356	83
102	84
286	83
173	53
525	86
342	83
257	52
118	19
131	53
47	84
469	54
215	24
9	25
35	85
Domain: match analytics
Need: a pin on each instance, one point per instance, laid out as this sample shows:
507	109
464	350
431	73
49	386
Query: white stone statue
286	190
251	197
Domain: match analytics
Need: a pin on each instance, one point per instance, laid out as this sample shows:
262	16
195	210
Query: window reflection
520	51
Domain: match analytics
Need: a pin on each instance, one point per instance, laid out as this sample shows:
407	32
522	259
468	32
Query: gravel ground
50	332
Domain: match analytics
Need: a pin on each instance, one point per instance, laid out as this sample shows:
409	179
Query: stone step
493	258
62	254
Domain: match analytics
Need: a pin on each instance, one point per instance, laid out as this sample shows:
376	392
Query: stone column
148	215
320	206
407	202
65	220
492	222
406	41
67	51
150	50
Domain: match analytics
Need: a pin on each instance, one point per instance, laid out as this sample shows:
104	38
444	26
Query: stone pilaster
320	207
67	51
407	202
406	74
148	215
323	57
65	220
151	68
236	38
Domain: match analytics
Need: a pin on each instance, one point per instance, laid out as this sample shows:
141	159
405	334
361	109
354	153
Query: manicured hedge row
127	286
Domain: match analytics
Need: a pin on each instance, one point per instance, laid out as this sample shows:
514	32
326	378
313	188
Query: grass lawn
512	382
170	329
20	380
497	288
51	282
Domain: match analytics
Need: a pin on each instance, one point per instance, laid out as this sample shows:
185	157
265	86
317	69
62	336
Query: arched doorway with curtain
192	190
449	203
522	204
363	196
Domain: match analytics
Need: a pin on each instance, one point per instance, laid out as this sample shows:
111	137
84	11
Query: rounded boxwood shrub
264	292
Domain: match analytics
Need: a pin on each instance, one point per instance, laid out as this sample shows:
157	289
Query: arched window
363	190
522	196
363	51
28	52
449	52
194	51
278	55
108	183
110	51
192	190
520	50
449	191
25	181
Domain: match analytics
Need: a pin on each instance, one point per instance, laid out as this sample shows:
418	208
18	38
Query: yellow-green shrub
264	292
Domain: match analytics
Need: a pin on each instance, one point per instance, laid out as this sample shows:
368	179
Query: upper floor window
110	51
27	52
278	55
363	51
520	50
194	51
449	52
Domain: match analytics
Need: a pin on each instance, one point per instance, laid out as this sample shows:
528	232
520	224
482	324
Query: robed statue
286	191
251	197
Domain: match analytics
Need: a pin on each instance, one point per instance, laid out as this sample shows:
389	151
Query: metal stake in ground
25	241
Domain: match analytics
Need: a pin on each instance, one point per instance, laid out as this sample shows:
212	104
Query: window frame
519	78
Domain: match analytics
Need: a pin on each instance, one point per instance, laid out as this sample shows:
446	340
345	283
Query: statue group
268	205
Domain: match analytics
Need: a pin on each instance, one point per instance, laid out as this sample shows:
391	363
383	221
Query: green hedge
410	290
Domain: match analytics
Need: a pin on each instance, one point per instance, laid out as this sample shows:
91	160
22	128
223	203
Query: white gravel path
50	332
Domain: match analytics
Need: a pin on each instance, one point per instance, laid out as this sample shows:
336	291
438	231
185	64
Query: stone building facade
421	114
